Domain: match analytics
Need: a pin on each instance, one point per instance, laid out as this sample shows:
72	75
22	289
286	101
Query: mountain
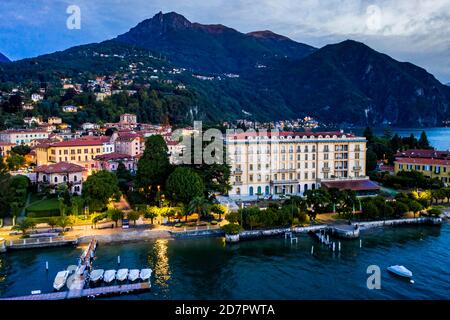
211	48
350	82
343	83
3	58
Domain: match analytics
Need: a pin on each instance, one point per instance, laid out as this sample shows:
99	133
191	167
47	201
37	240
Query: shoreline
148	235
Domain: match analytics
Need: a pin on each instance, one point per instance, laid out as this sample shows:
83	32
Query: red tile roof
423	153
83	141
60	167
113	156
244	135
425	161
355	185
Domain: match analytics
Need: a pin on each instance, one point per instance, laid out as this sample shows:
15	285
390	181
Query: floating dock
88	293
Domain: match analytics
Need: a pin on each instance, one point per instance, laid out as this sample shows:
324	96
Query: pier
87	293
32	243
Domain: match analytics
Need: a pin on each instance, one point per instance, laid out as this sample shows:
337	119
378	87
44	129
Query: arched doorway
259	190
238	191
250	191
267	190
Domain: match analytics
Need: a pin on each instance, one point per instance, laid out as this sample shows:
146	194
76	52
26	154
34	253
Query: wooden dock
88	293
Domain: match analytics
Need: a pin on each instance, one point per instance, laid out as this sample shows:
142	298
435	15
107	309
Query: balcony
237	183
237	171
326	169
273	182
357	168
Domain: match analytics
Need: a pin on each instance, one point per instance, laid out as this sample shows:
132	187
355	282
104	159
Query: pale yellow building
274	163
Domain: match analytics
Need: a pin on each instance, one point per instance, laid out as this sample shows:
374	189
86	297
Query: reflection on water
159	259
260	269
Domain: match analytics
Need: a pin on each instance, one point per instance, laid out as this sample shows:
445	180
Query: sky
416	31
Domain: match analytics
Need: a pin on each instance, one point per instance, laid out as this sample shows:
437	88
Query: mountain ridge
4	58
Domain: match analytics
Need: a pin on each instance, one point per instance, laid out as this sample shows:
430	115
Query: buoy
412	281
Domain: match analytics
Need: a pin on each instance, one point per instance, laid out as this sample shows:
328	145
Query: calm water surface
438	137
262	269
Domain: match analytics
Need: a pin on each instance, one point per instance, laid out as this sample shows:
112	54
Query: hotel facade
290	163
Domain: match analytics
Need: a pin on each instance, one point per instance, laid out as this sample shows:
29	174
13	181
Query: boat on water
80	270
97	275
60	279
133	275
145	274
122	274
109	276
400	271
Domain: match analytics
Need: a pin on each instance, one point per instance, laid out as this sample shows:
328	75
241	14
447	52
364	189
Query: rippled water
262	269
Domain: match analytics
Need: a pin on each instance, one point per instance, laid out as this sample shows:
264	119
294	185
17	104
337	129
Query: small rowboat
145	274
60	280
97	275
109	276
122	274
133	275
401	271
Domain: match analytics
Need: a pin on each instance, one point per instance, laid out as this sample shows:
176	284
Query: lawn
43	208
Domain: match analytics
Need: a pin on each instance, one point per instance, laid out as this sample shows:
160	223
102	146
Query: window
56	179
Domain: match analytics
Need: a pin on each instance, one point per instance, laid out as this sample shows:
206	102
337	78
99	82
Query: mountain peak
267	34
163	22
4	58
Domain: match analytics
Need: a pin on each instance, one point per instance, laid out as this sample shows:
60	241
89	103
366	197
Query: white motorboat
60	279
109	276
133	275
145	274
122	274
80	270
400	271
97	275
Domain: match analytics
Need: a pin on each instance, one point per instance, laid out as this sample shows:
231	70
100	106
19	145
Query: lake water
261	269
438	137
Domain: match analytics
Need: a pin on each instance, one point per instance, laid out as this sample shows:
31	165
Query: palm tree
199	205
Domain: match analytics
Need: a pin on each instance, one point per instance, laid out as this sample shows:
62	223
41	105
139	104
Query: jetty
41	242
87	293
77	282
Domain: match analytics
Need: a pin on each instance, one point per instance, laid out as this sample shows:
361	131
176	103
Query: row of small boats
109	276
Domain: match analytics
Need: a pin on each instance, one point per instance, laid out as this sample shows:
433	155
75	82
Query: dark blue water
438	137
262	269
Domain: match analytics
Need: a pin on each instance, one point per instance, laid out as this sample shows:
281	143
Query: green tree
99	188
219	209
15	161
415	207
115	215
151	213
183	185
153	167
64	222
52	222
423	141
24	225
371	160
133	216
200	206
123	177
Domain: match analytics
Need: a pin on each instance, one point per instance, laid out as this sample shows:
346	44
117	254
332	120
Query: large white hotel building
275	163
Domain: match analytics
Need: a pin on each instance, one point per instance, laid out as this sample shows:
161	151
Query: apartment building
81	151
432	163
53	175
128	143
23	136
275	163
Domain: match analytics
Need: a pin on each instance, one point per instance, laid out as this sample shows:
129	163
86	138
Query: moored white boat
122	274
109	276
133	275
400	271
97	275
60	279
145	274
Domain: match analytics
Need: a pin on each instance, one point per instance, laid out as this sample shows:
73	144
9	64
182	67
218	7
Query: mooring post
118	260
334	246
46	266
339	246
360	243
312	249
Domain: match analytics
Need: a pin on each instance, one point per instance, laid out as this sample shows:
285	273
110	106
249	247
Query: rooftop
330	134
424	161
60	167
355	185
